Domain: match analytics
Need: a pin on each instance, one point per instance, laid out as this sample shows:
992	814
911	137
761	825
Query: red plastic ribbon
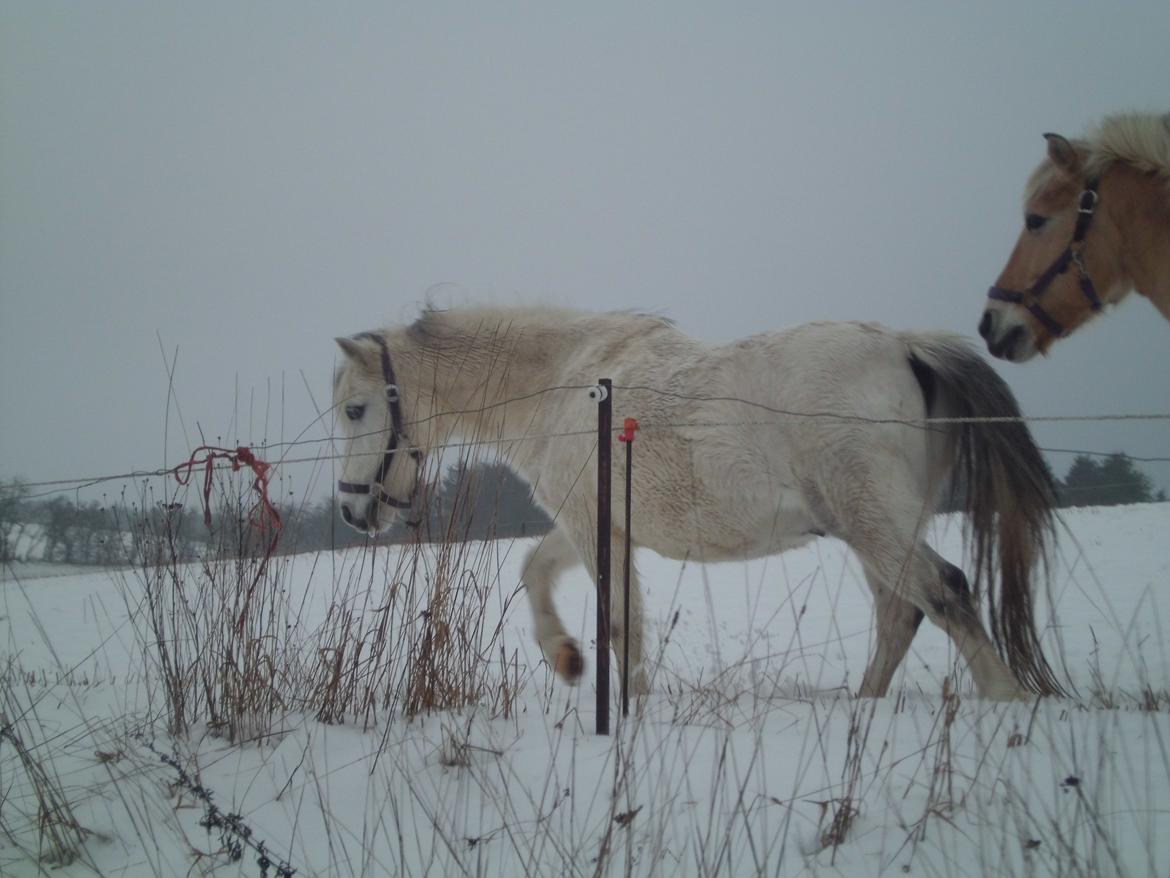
264	516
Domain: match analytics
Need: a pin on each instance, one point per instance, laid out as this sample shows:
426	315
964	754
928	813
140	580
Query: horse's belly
709	547
736	533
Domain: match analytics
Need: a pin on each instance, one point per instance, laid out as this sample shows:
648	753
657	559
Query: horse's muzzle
985	326
1012	346
370	522
354	521
1006	342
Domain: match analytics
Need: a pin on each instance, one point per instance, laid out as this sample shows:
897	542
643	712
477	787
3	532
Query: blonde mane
1141	140
489	331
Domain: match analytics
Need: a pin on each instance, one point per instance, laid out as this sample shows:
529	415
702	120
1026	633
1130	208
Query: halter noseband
1030	298
396	430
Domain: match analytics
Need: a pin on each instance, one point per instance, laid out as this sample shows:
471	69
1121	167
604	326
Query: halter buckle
392	393
1088	202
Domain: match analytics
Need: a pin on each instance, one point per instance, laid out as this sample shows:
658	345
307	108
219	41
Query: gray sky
245	181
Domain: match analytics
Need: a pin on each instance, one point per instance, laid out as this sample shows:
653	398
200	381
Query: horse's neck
1146	230
480	388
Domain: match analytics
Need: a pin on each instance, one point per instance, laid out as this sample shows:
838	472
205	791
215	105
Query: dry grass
415	632
59	837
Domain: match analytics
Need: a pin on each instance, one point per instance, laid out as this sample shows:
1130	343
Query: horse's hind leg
940	590
951	606
897	622
886	534
544	564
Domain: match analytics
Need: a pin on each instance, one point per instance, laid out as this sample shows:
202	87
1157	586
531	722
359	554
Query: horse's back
847	369
786	424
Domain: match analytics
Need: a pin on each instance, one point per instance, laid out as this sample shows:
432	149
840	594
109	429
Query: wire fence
234	832
235	835
48	487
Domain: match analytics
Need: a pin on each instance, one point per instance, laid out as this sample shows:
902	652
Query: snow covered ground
749	757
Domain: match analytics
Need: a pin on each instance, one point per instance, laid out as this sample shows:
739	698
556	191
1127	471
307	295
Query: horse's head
382	469
1063	266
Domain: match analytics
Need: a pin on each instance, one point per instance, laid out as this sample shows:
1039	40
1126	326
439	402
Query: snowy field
750	757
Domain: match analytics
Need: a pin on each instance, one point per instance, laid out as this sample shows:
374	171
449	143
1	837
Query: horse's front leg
544	564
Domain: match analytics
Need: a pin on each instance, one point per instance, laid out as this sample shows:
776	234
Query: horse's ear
352	349
1063	154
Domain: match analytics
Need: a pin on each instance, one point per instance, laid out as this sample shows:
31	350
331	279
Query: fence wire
235	834
64	485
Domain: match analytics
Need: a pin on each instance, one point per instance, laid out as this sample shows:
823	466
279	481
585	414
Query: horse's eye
354	412
1035	222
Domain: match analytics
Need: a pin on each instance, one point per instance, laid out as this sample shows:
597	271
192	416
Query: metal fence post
627	436
604	456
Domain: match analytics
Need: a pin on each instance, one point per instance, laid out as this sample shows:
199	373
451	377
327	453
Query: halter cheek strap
1030	298
397	429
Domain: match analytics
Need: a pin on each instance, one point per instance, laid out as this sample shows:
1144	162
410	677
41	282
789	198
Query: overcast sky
245	181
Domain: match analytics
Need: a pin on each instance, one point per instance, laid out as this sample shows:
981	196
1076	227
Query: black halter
397	431
1030	298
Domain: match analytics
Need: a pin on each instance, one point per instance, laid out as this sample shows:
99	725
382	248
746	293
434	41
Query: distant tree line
471	502
1110	482
478	501
64	531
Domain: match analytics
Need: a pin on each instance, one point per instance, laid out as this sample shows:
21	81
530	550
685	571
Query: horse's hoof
569	663
639	682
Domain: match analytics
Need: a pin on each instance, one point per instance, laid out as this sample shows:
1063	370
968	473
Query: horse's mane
490	327
1141	140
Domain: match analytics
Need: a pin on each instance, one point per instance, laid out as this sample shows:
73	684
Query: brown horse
1096	225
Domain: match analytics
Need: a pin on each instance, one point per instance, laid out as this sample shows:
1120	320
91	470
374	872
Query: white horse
746	449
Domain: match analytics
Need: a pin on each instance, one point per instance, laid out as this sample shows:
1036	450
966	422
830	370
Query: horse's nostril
985	324
1005	347
352	520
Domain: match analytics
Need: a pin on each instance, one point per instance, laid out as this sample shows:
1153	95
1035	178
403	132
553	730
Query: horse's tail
1000	479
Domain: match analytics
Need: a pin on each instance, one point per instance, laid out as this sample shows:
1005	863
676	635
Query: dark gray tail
1000	479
